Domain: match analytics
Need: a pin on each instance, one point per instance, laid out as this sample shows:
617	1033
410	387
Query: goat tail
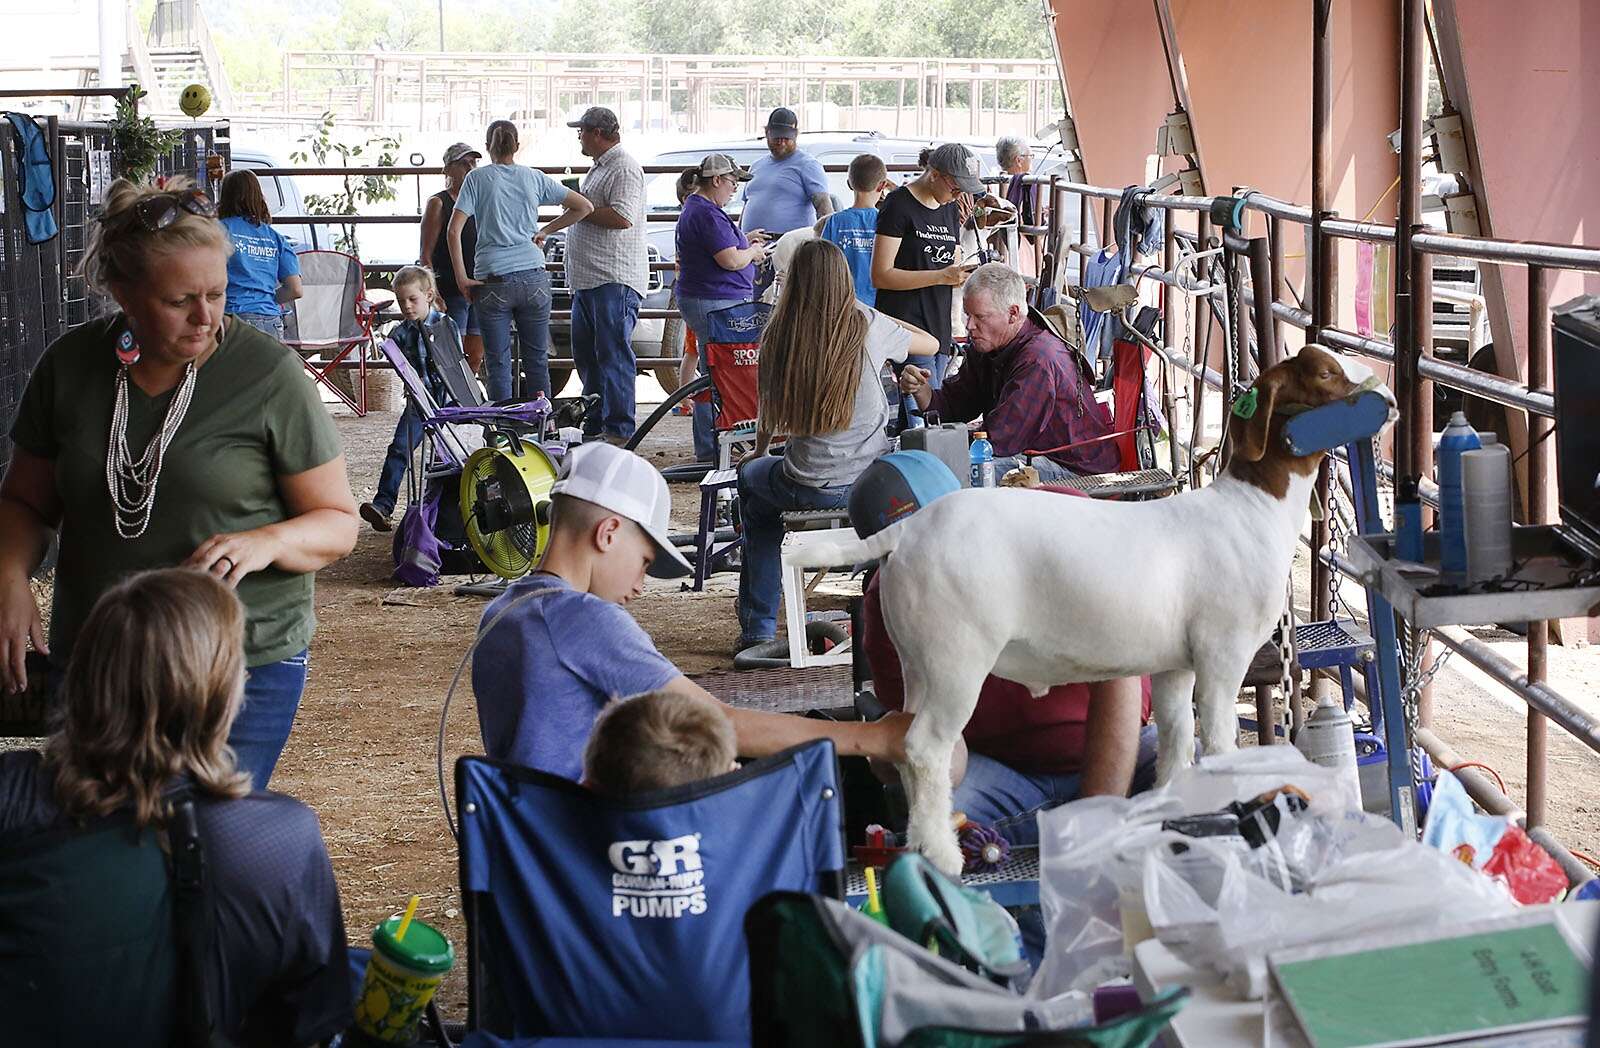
859	551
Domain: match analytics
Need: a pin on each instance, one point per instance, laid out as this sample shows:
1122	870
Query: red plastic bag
1530	873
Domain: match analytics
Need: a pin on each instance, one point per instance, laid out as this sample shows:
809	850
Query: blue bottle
982	455
1458	436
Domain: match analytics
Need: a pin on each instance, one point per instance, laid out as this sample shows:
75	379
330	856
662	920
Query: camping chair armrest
1091	440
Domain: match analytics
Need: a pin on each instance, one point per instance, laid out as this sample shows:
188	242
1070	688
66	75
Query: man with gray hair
1036	395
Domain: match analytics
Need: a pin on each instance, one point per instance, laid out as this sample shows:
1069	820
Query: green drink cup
409	960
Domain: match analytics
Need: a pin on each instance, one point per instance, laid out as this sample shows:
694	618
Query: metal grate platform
783	690
1104	485
815	519
1014	883
1338	642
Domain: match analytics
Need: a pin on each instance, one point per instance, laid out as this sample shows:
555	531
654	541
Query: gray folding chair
331	321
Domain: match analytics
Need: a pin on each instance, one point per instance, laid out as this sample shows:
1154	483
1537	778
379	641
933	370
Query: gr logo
658	858
657	878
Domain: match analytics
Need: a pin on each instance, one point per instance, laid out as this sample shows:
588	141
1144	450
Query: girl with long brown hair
150	696
822	357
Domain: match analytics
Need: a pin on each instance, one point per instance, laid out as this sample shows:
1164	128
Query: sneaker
376	517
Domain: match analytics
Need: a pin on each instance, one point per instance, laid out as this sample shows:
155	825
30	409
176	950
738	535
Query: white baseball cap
627	485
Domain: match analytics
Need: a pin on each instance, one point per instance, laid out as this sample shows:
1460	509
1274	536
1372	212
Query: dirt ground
362	750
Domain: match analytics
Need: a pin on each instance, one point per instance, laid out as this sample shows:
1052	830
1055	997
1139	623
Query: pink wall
1117	84
1527	86
1248	68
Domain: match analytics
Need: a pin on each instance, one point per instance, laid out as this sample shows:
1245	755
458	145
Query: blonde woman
166	433
822	356
150	695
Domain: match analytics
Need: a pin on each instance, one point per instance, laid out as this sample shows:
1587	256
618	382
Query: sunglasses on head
161	210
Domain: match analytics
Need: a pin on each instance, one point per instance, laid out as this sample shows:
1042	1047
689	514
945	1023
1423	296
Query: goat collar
1246	405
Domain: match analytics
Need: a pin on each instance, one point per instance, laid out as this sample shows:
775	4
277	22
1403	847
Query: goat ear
1253	413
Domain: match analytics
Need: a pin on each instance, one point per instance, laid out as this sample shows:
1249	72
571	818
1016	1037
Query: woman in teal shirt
263	271
509	281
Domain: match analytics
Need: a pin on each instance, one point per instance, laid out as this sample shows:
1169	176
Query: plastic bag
1491	844
1091	856
1329	871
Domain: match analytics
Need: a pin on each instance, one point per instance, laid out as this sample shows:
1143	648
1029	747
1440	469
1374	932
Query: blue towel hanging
36	183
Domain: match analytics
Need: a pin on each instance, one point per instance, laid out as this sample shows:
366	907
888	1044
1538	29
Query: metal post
1275	251
1261	282
1538	495
1407	467
1421	411
1169	337
1323	288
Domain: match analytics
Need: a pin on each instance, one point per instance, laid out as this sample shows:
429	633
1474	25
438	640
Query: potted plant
137	143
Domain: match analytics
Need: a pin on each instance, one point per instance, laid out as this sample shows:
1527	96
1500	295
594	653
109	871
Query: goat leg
1172	696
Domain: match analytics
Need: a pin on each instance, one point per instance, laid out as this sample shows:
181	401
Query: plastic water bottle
982	455
1458	437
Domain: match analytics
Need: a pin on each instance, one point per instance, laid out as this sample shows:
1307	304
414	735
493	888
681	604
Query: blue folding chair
597	918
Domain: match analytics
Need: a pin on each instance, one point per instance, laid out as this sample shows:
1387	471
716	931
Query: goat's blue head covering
895	486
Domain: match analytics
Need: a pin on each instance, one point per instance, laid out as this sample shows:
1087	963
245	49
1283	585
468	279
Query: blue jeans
407	435
523	296
1010	801
460	309
602	347
766	492
271	698
271	323
936	366
696	313
1050	471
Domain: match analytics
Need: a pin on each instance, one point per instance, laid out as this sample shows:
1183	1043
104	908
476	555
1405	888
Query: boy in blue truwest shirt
414	295
855	228
558	645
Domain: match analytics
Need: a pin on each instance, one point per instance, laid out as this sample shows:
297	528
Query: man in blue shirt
855	229
558	645
788	188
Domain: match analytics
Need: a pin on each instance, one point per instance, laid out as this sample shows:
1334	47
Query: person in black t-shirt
435	254
916	256
152	688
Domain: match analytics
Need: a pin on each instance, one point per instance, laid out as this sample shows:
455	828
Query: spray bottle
1458	437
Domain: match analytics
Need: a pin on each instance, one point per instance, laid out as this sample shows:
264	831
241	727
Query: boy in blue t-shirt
558	646
855	228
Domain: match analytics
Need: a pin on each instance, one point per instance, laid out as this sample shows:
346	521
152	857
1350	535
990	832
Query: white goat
1055	590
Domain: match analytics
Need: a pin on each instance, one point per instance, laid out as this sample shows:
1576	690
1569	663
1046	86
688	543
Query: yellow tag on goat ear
1245	406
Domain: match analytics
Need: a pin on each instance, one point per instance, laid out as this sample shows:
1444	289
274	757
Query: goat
1056	591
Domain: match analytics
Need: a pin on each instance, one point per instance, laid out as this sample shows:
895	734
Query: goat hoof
944	853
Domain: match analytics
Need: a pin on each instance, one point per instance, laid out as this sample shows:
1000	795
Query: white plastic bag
1106	866
1224	908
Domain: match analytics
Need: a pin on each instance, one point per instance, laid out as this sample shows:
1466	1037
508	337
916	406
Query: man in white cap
608	271
564	646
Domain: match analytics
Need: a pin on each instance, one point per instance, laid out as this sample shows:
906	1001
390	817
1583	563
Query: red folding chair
732	356
331	320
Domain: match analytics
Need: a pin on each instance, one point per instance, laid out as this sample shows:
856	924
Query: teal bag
959	923
823	975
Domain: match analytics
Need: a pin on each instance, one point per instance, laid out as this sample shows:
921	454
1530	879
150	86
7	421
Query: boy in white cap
557	646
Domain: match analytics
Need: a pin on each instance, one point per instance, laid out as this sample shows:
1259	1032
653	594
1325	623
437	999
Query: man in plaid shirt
1034	393
608	271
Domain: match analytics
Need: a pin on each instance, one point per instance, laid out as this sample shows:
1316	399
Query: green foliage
137	143
900	28
321	149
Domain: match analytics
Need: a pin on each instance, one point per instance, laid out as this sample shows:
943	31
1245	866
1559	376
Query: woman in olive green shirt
167	434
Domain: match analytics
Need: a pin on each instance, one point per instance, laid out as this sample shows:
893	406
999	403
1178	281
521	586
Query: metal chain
1336	544
1411	690
1286	644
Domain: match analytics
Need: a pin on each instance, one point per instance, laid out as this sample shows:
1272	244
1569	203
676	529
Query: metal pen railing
1533	399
